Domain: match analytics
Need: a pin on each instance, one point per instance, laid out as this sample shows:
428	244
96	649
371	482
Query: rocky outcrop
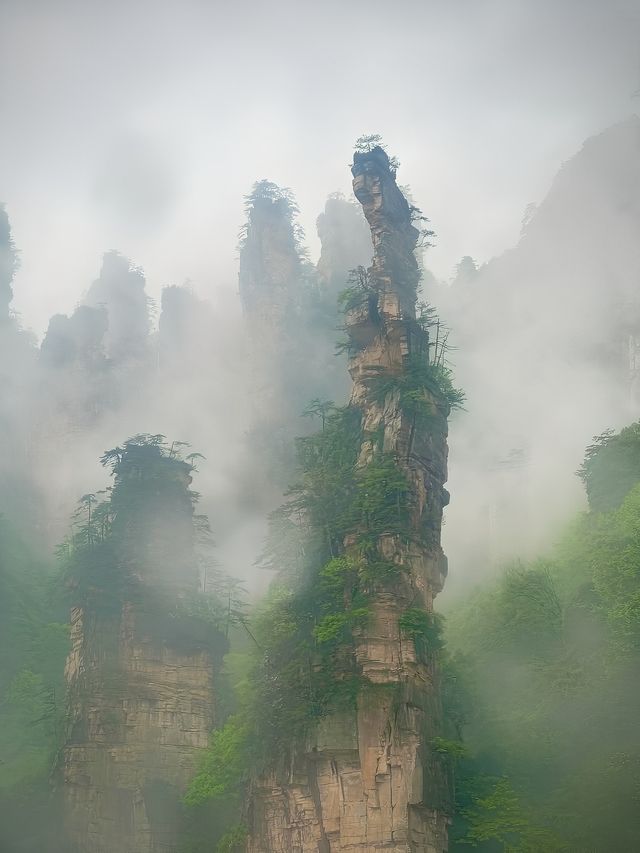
291	313
273	291
370	779
558	313
345	244
140	672
140	713
121	291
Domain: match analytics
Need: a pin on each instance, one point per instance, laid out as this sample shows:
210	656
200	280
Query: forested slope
33	647
544	666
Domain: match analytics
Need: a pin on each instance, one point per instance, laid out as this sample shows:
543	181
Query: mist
180	246
140	129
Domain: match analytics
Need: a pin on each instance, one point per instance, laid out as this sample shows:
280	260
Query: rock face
120	291
272	289
290	310
345	244
370	779
140	672
564	304
138	724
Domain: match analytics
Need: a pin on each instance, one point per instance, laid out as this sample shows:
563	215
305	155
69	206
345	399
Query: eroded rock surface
140	714
140	673
370	780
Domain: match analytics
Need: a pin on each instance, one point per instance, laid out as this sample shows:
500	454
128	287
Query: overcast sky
140	125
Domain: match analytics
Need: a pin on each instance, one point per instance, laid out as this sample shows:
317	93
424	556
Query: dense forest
543	665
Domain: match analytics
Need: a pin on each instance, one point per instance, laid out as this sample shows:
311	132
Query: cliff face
94	359
140	672
563	304
272	290
345	244
369	779
290	313
140	712
120	291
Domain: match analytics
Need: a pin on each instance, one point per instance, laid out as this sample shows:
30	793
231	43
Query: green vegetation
611	467
360	291
233	841
497	820
222	769
33	647
427	374
539	671
324	544
420	376
268	199
543	682
145	544
425	629
304	664
369	142
140	541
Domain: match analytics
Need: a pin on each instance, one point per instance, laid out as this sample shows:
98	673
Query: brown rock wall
140	713
371	782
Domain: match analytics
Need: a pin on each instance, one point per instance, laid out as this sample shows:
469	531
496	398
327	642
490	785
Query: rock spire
370	778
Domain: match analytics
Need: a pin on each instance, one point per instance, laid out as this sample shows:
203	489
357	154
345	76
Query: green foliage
360	291
382	498
332	627
319	409
34	643
455	749
615	562
425	629
234	840
543	683
31	716
323	500
267	191
530	613
426	369
442	377
500	817
135	544
369	142
324	542
223	766
611	467
377	573
267	199
419	221
305	628
419	387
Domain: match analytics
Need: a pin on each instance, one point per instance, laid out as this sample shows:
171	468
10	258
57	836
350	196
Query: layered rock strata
371	780
138	724
140	672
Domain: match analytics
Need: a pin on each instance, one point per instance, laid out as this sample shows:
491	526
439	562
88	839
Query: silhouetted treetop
8	261
372	142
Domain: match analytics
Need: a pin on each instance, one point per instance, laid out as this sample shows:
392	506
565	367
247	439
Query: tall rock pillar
371	778
140	672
